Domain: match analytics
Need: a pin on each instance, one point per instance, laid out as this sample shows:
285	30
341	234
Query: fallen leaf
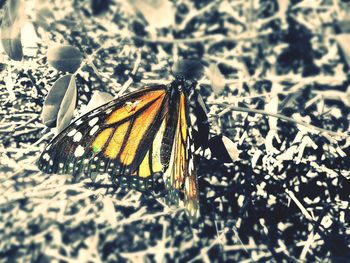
54	99
11	29
64	58
217	80
98	99
13	48
65	113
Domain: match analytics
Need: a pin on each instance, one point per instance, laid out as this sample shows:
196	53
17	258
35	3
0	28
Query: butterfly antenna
170	66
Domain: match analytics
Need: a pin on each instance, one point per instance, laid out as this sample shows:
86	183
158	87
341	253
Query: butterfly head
182	84
186	73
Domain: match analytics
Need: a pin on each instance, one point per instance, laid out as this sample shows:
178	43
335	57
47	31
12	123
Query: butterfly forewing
113	138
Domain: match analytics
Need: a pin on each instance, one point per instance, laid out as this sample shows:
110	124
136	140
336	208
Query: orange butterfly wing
114	138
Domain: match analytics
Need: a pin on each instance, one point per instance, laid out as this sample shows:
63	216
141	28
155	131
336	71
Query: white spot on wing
190	165
93	121
78	122
72	132
77	137
79	151
192	148
193	119
92	113
46	157
93	130
190	132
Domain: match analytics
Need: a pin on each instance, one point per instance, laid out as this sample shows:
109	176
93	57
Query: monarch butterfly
144	140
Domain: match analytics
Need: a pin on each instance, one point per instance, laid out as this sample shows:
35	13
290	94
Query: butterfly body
143	140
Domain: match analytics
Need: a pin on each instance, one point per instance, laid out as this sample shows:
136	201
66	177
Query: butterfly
143	140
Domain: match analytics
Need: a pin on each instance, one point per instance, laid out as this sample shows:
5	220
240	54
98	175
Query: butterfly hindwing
180	177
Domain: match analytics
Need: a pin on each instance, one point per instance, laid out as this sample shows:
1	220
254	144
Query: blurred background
275	85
